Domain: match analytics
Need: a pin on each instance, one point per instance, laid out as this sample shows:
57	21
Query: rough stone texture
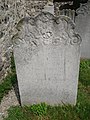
49	7
83	28
4	38
9	100
47	55
67	12
7	24
11	12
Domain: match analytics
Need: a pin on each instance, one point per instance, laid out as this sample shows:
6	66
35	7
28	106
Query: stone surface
9	100
64	8
83	28
11	12
47	55
49	8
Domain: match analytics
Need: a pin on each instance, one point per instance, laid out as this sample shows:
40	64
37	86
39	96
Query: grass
84	75
9	80
45	112
81	111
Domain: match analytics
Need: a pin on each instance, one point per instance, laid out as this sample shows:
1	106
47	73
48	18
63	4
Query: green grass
45	112
9	80
81	111
84	75
39	109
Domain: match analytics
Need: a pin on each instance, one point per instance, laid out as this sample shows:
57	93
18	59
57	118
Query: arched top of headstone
46	17
46	29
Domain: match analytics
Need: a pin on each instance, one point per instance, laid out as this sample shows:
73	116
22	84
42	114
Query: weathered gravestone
47	55
83	28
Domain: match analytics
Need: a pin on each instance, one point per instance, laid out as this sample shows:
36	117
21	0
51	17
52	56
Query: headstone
47	56
83	28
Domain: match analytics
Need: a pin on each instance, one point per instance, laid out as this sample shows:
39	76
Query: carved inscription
45	29
46	51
